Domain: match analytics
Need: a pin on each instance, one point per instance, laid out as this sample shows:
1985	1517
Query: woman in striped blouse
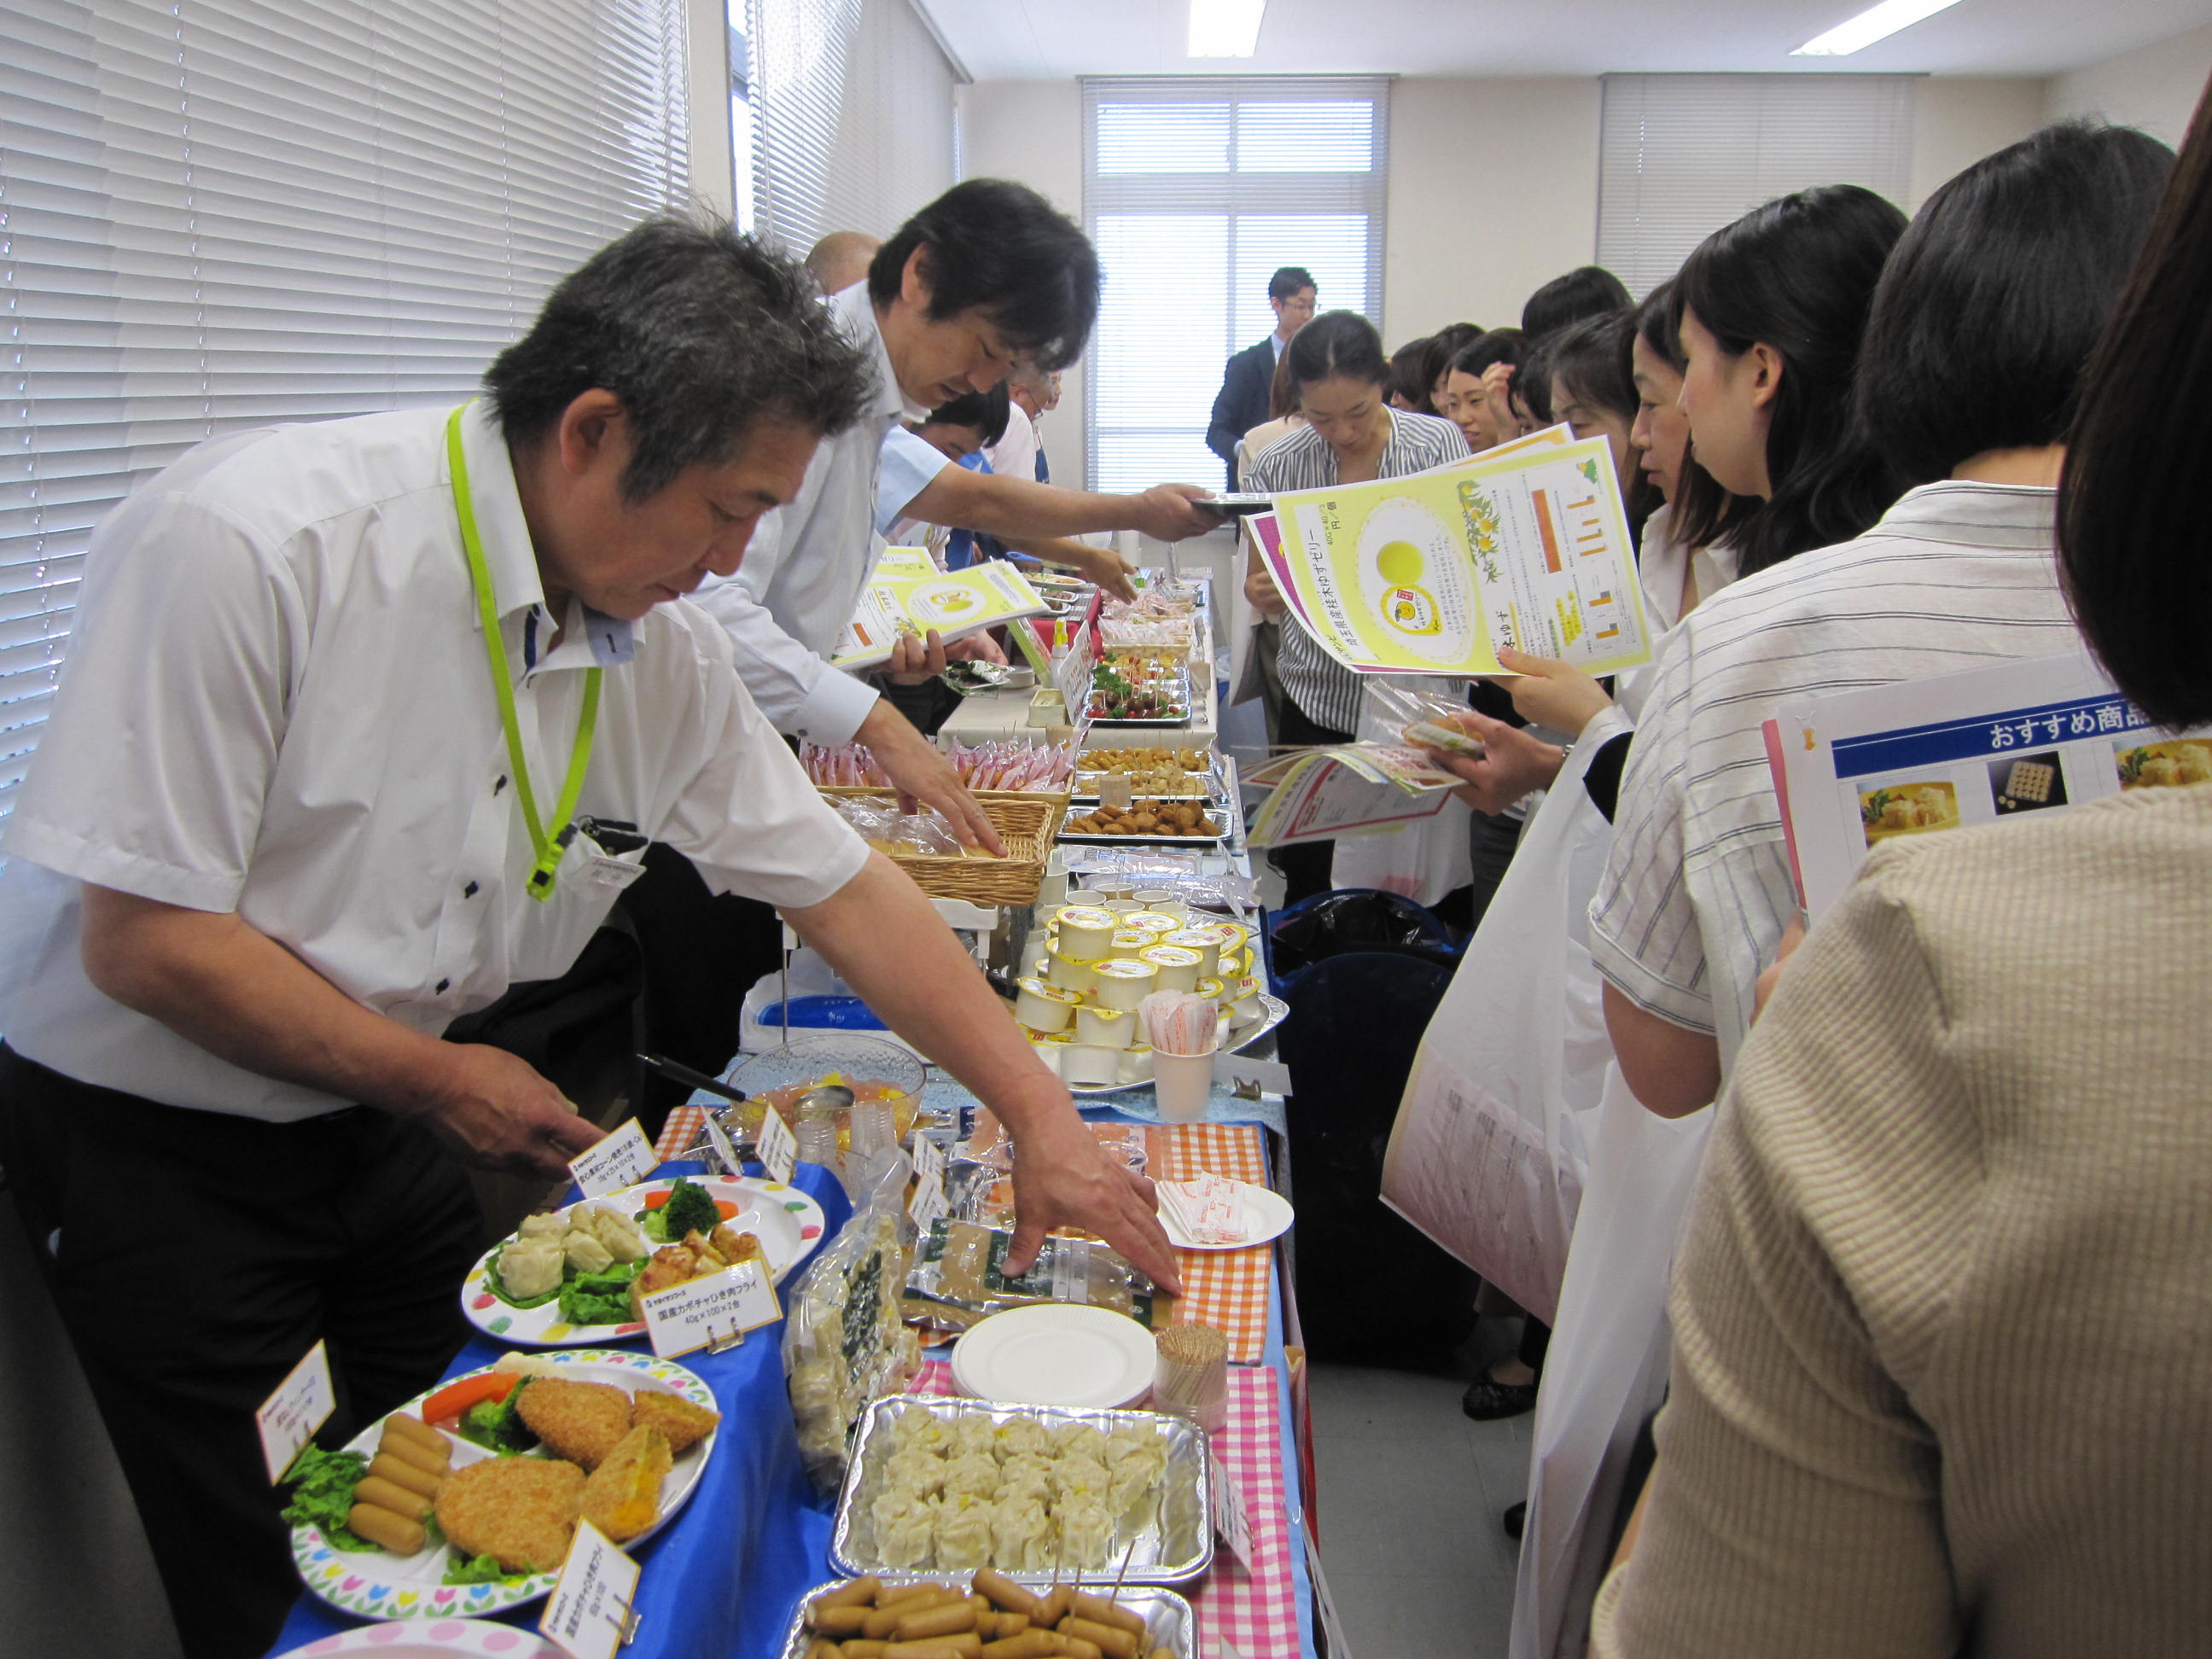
1342	383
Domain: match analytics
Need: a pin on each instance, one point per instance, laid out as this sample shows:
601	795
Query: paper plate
1267	1213
1056	1353
788	1223
376	1584
440	1639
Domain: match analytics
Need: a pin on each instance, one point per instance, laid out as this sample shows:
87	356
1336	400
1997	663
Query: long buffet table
720	1580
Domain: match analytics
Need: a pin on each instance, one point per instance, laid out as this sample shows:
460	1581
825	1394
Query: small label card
588	1615
719	1138
927	1205
778	1147
288	1419
928	1159
714	1311
1229	1519
622	1159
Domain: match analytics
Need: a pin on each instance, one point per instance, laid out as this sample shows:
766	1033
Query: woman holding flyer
1342	383
1968	1134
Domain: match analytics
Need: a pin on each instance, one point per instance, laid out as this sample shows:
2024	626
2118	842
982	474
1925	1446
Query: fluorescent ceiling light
1225	28
1863	30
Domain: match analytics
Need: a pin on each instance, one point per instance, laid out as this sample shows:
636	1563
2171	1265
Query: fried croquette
621	1497
580	1421
520	1510
683	1423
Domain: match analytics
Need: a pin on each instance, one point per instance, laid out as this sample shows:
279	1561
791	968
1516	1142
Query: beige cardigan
1942	1372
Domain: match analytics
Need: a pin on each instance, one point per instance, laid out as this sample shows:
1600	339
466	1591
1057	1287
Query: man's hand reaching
919	773
497	1113
1063	1179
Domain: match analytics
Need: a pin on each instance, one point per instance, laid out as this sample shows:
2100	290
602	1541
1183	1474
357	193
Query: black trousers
1305	867
194	1257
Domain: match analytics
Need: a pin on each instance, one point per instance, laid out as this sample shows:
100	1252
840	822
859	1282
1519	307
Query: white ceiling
1050	40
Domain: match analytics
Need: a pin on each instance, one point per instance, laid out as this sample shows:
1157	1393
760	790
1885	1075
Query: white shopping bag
1606	1370
1427	858
1489	1151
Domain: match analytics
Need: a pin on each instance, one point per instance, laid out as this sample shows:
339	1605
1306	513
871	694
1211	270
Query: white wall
2156	88
1032	131
706	96
1493	192
1958	120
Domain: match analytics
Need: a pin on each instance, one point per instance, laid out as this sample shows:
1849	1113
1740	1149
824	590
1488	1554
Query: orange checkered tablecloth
1226	1289
685	1125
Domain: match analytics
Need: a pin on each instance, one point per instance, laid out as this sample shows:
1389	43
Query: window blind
852	119
1196	190
238	212
1681	156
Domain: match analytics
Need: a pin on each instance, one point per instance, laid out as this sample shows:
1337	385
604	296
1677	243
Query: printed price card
589	1613
288	1419
928	1159
686	1317
622	1159
719	1138
779	1149
927	1205
1229	1519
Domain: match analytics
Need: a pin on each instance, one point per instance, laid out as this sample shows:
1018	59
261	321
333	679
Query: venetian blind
231	213
1683	154
1196	190
853	120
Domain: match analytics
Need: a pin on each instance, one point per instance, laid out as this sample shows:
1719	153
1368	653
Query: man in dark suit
1242	402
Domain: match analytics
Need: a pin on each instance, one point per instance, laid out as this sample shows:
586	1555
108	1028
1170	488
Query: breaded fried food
621	1497
581	1421
683	1423
520	1510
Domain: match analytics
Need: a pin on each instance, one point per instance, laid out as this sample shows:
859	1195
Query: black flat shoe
1515	1519
1486	1401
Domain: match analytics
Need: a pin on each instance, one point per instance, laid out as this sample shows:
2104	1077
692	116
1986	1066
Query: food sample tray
1168	1621
1174	1545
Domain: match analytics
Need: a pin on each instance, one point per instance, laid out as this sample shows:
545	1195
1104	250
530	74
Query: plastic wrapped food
960	1262
845	1345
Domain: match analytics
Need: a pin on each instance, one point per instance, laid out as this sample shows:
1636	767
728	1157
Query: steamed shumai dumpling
963	1532
905	1528
973	1435
971	1474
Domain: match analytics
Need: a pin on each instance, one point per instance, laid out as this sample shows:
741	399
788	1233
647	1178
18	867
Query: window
1196	191
852	105
238	212
1683	154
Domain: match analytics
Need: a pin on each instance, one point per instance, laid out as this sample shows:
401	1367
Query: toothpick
1127	1556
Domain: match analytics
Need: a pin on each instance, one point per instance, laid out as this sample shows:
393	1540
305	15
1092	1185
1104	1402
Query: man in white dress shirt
357	723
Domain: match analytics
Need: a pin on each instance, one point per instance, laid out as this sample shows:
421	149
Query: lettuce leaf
323	1483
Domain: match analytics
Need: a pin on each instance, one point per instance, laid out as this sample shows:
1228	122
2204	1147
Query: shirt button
442	984
500	785
469	891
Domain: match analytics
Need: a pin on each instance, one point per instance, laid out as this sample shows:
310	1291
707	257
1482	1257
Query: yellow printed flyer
902	597
1432	574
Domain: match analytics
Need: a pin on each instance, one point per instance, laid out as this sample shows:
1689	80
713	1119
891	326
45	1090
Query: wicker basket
1025	821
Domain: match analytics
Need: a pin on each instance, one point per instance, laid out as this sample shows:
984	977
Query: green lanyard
549	848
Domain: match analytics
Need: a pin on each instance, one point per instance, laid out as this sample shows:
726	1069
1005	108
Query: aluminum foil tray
1168	1621
1176	1543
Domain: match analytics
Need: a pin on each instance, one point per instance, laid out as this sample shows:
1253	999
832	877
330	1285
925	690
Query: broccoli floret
690	1208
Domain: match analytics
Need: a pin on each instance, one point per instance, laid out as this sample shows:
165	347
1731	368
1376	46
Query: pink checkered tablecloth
1255	1612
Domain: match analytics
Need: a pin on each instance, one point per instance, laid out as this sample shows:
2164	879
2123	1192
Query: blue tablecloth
721	1578
1136	1104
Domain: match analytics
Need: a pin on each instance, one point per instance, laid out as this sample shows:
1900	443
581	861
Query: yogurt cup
1204	942
1124	982
1085	932
1097	1027
1042	1007
1178	967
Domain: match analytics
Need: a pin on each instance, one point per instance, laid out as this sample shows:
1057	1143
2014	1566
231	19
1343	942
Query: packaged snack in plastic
845	1344
960	1262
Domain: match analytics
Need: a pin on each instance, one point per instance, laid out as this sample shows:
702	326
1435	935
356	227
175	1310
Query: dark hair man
1242	403
302	803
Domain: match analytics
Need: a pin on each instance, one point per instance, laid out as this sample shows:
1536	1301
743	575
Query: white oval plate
376	1584
788	1223
1267	1213
1056	1353
444	1639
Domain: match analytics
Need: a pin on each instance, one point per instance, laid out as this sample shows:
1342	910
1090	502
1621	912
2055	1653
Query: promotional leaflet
1922	757
900	597
1321	793
1526	547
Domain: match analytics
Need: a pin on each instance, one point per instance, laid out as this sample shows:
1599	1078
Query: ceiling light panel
1878	23
1225	28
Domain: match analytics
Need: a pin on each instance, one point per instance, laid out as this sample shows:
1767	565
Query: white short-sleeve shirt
1697	890
788	605
277	702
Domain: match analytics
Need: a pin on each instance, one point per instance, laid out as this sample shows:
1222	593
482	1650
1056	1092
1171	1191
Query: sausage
838	1621
1031	1644
1110	1639
820	1649
415	1431
1010	1596
431	1460
1077	1647
857	1649
892	1595
965	1645
1100	1610
853	1593
1162	1653
400	1472
1005	1625
387	1495
385	1530
1058	1603
883	1622
931	1622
